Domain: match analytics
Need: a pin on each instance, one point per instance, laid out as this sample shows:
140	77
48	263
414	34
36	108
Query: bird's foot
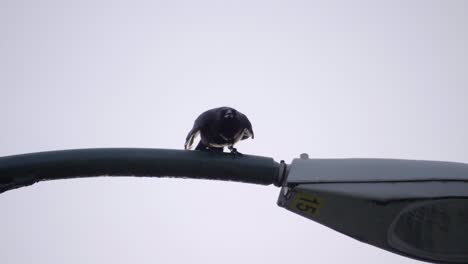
235	152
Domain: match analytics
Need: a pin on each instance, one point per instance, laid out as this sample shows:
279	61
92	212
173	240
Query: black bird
218	128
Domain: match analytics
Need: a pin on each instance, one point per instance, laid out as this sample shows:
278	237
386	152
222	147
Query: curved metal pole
26	169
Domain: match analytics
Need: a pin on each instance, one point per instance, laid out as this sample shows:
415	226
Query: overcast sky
384	79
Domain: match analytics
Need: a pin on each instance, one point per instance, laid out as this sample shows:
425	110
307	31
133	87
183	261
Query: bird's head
228	113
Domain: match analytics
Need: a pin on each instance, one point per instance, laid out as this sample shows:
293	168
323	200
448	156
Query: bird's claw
235	152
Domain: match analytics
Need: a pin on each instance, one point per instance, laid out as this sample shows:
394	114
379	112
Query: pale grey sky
334	79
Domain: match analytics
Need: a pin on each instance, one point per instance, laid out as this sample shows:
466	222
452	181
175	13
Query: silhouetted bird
218	128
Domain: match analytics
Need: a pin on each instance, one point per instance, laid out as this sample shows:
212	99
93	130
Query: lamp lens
436	229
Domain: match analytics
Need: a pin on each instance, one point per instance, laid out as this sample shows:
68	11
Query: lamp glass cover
433	229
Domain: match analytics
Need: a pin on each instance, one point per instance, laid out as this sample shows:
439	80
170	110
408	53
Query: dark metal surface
25	169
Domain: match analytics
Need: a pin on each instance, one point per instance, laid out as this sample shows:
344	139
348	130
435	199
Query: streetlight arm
26	169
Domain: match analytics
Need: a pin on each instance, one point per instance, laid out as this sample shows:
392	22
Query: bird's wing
248	131
191	137
197	127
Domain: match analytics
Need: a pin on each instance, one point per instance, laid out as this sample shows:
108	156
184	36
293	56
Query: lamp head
414	208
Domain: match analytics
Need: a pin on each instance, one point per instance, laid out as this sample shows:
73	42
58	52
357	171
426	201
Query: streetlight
414	208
